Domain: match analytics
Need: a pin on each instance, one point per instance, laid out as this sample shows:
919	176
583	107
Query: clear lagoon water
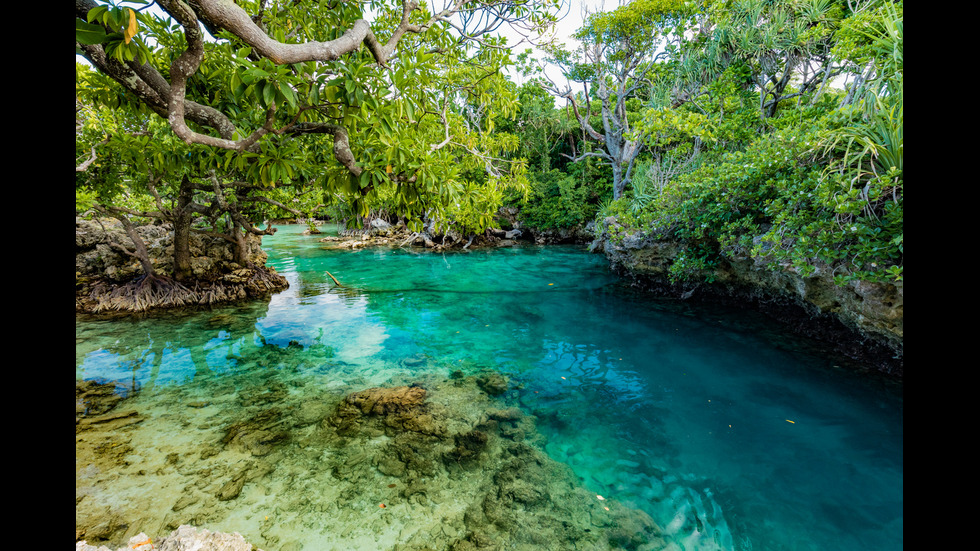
729	432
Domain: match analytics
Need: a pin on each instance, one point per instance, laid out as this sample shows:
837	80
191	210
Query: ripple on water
663	410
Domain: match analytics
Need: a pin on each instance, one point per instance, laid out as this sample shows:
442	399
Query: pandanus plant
870	148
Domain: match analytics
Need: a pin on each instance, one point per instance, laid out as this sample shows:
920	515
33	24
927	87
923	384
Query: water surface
729	432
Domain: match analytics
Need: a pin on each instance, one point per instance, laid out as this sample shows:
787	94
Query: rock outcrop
109	280
863	320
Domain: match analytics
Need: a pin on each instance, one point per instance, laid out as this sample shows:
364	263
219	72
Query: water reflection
716	423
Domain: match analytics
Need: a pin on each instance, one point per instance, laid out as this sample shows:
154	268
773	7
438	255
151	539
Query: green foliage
814	184
874	37
116	28
664	127
741	148
557	200
692	264
867	148
422	129
639	21
645	189
775	201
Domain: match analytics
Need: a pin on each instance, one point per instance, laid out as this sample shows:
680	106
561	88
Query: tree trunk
141	253
619	183
182	231
240	252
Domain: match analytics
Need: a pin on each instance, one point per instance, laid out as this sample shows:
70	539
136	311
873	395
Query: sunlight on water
641	424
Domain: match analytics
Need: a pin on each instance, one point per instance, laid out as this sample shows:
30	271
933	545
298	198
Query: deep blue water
730	432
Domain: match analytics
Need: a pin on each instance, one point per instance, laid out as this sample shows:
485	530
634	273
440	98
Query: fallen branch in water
334	279
410	238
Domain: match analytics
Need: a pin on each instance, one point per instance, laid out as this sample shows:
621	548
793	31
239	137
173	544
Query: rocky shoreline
862	320
109	281
382	233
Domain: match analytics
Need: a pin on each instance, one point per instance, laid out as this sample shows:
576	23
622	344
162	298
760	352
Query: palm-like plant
885	75
872	145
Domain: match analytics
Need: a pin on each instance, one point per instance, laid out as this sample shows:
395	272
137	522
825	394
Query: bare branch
84	166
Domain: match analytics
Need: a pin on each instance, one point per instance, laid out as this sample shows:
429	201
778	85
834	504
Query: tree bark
182	231
240	255
141	253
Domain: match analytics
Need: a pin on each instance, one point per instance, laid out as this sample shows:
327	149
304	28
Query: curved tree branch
85	164
169	100
341	142
147	84
227	15
186	65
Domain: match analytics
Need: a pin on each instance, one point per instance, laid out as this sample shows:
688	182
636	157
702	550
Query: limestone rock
104	276
400	408
868	315
492	383
385	401
93	398
184	538
438	463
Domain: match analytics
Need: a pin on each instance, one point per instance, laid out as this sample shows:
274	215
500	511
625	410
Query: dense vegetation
763	127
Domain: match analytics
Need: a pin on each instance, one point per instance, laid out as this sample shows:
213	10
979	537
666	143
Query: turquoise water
728	432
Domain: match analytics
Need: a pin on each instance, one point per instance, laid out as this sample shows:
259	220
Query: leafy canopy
401	110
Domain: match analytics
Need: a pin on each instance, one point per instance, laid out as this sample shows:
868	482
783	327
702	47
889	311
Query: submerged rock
516	494
184	538
400	408
258	435
468	446
434	464
387	401
492	383
93	399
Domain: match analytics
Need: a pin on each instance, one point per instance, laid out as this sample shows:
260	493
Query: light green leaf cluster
662	127
116	28
638	21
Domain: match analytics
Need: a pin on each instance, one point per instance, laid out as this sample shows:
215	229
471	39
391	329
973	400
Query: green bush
778	200
556	201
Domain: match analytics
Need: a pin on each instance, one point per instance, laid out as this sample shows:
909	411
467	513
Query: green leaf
269	93
289	94
97	13
253	74
386	126
236	83
88	33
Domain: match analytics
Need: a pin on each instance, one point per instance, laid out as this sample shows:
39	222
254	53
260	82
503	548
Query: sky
572	16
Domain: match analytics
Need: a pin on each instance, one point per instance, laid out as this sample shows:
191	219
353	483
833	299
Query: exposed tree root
147	293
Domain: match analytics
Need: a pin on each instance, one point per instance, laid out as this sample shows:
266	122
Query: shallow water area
561	410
